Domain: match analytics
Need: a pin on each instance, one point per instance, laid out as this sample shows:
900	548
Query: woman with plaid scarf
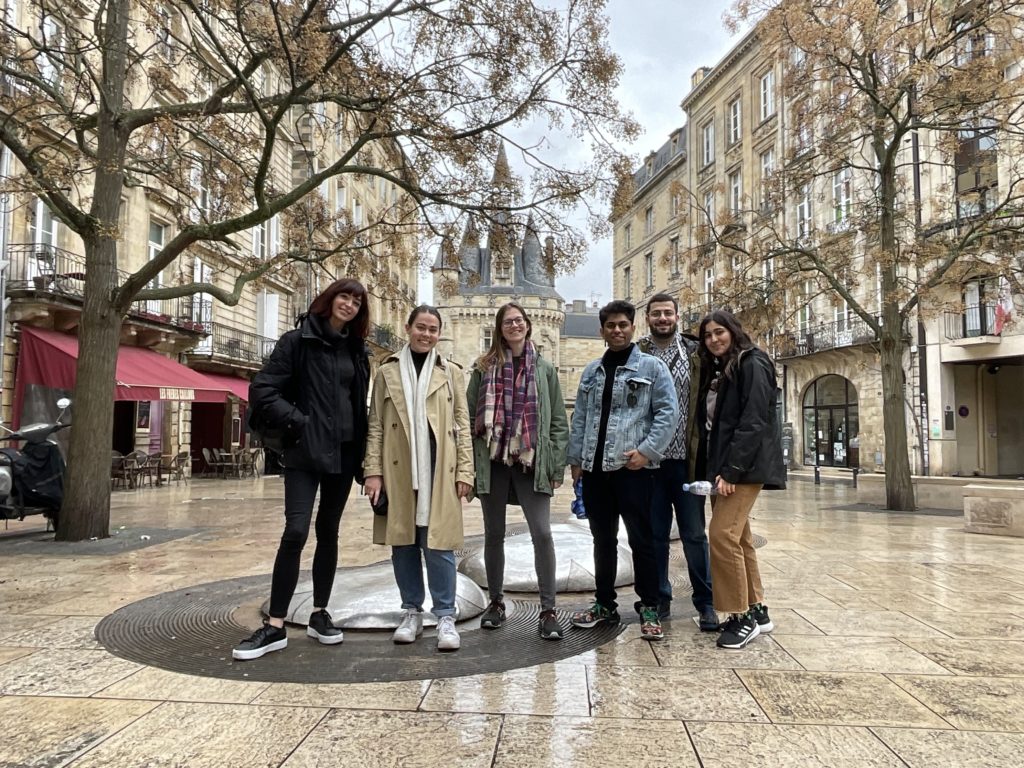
520	433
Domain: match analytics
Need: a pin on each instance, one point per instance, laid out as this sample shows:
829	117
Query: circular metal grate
193	631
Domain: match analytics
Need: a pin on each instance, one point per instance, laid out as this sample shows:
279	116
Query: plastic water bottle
700	488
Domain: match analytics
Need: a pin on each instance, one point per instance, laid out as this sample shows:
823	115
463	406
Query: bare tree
902	175
418	93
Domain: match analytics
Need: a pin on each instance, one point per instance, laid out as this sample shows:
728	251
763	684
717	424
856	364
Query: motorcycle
32	478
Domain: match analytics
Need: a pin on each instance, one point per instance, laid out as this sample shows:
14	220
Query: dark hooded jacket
745	442
298	390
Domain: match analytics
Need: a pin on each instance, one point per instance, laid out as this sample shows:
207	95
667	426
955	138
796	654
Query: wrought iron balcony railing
383	336
975	320
50	271
234	344
820	338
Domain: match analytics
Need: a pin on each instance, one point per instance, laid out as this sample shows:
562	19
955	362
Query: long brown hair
321	306
741	340
495	355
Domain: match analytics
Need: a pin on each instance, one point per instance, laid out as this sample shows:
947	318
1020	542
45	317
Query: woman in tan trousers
741	451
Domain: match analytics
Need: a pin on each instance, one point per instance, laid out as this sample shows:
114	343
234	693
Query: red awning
48	358
236	386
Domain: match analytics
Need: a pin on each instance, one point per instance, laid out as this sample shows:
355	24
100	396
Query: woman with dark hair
520	433
314	389
741	451
418	457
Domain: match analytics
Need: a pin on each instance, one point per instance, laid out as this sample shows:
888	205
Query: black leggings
300	488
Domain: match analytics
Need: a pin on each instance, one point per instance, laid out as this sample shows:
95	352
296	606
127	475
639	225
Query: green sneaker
594	615
650	624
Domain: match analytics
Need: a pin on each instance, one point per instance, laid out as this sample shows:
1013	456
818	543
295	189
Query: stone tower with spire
496	261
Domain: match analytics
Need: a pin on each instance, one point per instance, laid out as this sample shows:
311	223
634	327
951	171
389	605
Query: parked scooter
32	479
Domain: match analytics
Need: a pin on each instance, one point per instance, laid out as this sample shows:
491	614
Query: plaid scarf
506	411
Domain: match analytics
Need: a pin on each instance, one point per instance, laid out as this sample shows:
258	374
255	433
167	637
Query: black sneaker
594	615
709	621
494	616
321	626
264	640
760	614
550	629
738	631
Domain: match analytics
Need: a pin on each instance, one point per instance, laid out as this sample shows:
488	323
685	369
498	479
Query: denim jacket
643	413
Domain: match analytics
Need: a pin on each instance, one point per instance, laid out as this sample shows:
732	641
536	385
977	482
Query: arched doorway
830	421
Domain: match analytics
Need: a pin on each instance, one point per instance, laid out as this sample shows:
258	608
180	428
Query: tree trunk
85	513
899	488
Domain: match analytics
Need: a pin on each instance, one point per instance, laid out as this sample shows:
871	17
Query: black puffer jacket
746	437
306	402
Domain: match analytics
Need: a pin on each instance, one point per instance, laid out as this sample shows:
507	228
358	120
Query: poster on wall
142	415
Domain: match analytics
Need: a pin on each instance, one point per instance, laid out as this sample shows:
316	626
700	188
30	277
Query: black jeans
689	508
300	488
624	493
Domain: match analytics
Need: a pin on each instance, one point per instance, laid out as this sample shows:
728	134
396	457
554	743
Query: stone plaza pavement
899	642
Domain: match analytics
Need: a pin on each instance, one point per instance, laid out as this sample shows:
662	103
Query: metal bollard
856	471
817	475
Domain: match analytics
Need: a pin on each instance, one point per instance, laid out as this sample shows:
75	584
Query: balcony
384	337
234	347
976	322
53	280
821	338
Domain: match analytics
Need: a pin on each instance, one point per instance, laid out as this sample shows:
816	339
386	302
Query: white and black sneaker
760	614
264	640
739	630
321	627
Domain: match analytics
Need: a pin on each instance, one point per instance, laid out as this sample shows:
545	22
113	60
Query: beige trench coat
387	454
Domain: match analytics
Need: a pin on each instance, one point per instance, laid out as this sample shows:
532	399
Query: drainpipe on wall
5	202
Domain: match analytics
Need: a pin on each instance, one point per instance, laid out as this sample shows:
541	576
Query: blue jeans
408	566
669	493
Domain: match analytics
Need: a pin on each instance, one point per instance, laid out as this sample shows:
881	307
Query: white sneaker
447	636
410	628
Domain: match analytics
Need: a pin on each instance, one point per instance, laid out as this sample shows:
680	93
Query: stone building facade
45	271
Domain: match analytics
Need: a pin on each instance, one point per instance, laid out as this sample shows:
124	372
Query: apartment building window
767	162
164	35
673	252
842	198
649	270
340	196
768	274
803	212
976	169
649	221
709	287
260	240
801	128
627	236
707	133
735	121
485	339
804	312
767	91
736	192
627	280
674	203
268	307
709	207
157	238
49	59
357	213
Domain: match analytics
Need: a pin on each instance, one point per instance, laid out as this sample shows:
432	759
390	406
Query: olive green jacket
552	431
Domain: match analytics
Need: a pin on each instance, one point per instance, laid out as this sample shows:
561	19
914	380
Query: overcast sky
660	43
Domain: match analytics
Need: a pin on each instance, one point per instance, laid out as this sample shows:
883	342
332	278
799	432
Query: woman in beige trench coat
419	455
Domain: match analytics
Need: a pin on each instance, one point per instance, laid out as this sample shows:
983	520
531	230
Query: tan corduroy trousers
735	578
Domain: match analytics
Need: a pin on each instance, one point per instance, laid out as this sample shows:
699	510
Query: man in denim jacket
624	418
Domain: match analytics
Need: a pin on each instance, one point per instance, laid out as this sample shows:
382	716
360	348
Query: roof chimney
699	75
